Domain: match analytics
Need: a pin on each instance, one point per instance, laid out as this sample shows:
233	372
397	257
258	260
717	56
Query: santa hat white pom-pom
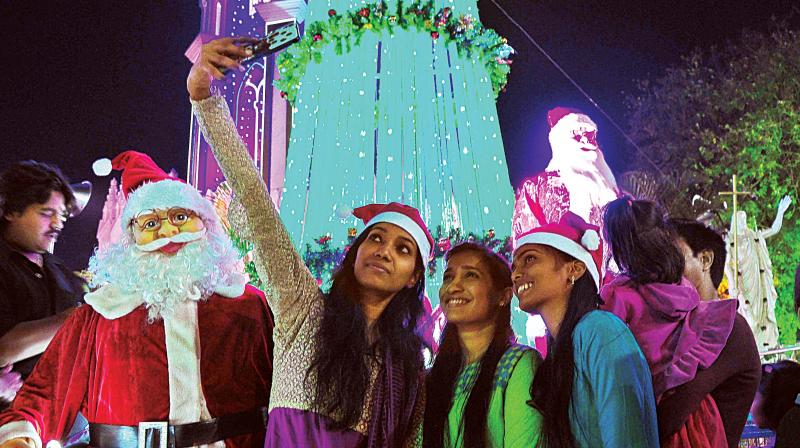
344	211
590	240
102	167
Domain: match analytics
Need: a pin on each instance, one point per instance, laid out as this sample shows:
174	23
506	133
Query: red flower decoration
283	94
364	12
324	239
444	244
331	12
317	37
435	35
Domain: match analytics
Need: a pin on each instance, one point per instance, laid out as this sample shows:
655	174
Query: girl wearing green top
479	386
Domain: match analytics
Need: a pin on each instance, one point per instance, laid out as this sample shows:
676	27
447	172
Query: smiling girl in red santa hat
593	388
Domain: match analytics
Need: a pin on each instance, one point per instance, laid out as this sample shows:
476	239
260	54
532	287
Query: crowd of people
172	348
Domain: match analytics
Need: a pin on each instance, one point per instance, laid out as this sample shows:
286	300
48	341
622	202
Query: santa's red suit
173	338
118	371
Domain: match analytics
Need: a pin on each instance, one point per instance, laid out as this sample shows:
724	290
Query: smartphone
273	42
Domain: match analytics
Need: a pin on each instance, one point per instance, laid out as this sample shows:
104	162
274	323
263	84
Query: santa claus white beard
162	280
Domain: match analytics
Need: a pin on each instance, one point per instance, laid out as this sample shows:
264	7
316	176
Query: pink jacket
677	332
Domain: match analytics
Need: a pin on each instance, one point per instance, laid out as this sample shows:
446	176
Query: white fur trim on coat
236	287
187	404
112	303
20	429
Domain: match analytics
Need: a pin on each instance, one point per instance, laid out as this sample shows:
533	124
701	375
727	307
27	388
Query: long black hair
552	386
642	241
340	362
441	381
780	384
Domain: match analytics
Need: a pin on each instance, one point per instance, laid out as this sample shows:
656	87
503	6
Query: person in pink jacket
679	334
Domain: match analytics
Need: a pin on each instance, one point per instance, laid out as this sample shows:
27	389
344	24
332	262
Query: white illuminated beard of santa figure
162	280
581	165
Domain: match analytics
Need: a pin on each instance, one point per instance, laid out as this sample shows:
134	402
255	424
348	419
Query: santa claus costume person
172	350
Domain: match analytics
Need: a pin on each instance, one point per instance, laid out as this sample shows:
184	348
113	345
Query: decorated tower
390	101
395	101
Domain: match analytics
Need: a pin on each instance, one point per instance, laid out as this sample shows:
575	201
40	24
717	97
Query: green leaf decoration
345	29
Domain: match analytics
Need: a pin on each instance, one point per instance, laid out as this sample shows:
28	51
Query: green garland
346	29
323	258
245	247
445	242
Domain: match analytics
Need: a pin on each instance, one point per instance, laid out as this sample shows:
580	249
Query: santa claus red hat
573	236
138	168
556	114
148	187
403	216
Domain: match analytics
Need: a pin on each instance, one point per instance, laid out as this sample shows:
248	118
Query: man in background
704	253
733	378
37	291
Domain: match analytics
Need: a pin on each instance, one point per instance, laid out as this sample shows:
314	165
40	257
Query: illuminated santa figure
172	349
577	179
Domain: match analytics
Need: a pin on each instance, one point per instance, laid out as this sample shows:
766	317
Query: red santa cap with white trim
557	113
573	236
148	187
403	216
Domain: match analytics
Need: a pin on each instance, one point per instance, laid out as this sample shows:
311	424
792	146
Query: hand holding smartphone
273	42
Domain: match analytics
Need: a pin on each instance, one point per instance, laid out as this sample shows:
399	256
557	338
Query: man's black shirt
29	292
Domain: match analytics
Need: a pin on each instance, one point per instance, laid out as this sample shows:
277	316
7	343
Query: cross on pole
735	193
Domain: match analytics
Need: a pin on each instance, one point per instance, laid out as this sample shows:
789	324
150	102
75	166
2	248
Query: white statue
755	287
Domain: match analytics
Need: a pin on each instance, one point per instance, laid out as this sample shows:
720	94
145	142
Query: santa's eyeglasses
150	221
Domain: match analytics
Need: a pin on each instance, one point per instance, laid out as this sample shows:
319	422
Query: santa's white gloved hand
10	382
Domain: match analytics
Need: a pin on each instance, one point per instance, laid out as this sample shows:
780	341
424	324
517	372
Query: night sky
83	80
